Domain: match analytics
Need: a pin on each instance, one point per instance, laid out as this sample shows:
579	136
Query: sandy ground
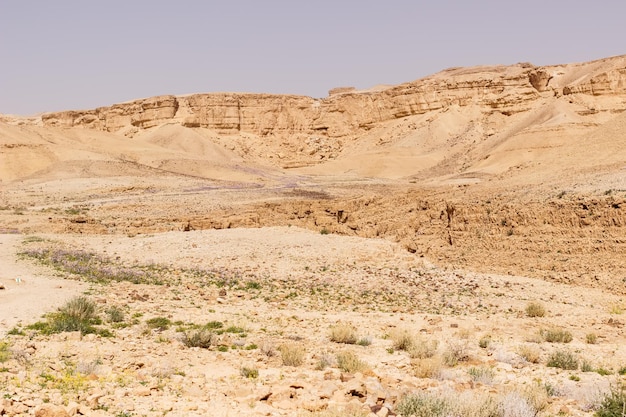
29	292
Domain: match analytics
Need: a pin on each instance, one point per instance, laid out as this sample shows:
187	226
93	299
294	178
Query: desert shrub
515	405
455	353
535	309
424	404
16	331
81	308
234	329
292	354
253	285
350	362
555	335
529	353
484	341
201	338
267	348
115	314
5	352
563	359
586	366
477	405
159	323
591	338
427	367
212	325
402	340
325	360
78	314
343	333
364	341
249	372
422	348
417	347
481	374
613	404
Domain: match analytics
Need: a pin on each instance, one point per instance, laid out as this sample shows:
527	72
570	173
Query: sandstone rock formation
347	111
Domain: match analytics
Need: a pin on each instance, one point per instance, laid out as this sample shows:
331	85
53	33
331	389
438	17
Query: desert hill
467	123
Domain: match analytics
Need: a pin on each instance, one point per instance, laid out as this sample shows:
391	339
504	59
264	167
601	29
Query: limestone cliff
501	89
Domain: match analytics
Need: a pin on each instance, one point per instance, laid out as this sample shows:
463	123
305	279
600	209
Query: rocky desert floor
452	246
298	318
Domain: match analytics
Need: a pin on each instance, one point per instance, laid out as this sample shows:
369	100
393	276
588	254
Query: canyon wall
507	90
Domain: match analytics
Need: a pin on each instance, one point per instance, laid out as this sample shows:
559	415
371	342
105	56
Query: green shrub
16	331
5	353
613	404
159	323
212	325
235	329
251	373
115	314
81	308
198	338
78	314
563	359
591	338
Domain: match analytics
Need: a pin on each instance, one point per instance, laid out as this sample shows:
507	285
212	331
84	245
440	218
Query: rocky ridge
501	89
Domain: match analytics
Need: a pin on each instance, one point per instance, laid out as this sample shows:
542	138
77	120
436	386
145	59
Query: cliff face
506	90
336	116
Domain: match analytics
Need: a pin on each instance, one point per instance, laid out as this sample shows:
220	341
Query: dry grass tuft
530	353
556	335
416	346
292	354
343	333
349	362
456	352
535	309
427	367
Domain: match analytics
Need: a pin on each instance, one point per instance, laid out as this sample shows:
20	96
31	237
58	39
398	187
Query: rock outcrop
346	111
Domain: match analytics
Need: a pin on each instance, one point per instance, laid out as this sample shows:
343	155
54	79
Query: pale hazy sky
80	54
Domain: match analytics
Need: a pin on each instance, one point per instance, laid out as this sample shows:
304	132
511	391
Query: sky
81	54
